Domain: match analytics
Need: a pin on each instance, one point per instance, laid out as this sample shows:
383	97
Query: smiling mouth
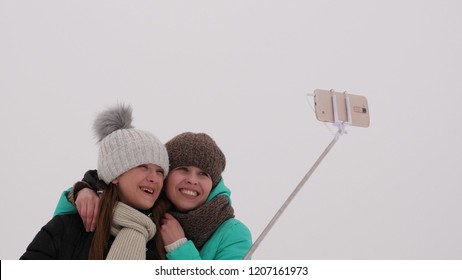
146	190
189	192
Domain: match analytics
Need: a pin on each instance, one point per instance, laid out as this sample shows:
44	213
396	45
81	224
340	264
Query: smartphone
355	105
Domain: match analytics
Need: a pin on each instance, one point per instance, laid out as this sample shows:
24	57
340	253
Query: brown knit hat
197	149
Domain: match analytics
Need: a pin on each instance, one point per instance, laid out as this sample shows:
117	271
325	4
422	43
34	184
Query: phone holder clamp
341	125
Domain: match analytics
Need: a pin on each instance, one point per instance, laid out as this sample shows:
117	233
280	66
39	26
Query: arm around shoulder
64	206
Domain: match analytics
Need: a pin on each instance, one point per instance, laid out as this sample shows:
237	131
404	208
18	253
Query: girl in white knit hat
133	164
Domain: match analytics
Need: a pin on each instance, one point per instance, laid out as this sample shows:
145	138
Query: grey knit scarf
132	230
199	224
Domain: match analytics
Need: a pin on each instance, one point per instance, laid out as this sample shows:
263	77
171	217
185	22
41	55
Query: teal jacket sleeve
236	242
231	241
186	251
64	206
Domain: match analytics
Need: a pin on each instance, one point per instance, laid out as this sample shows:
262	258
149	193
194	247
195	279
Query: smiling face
140	187
188	187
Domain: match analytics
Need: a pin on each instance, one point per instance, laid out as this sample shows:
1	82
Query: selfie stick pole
341	131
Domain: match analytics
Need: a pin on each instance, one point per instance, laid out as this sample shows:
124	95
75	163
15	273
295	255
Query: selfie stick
341	131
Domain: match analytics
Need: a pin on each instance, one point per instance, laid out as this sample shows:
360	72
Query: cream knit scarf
132	230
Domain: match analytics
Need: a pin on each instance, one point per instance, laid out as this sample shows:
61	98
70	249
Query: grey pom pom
112	119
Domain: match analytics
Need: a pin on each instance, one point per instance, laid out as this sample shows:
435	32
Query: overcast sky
240	71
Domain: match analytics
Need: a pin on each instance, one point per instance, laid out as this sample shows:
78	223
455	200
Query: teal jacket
64	207
230	241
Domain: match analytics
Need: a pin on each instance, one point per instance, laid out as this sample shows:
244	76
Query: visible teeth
147	190
189	192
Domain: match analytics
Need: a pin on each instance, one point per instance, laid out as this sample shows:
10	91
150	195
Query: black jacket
65	238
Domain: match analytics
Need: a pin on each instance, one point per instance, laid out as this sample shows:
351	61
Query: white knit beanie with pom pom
123	147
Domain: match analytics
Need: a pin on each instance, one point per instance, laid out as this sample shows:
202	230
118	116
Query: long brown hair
161	206
99	244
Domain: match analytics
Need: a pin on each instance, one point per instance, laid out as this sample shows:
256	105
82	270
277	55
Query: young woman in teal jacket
200	224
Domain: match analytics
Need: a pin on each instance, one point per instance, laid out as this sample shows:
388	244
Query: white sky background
240	71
